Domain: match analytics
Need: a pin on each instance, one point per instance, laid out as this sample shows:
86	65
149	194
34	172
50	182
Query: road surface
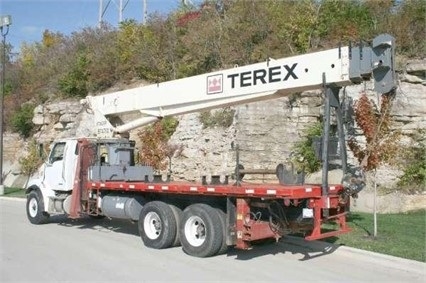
106	250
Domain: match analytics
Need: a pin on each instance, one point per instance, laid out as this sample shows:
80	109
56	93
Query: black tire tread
224	247
169	225
211	218
42	217
178	213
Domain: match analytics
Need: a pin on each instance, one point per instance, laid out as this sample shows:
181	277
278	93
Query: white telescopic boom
267	80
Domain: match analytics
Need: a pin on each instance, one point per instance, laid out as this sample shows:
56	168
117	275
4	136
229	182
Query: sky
30	18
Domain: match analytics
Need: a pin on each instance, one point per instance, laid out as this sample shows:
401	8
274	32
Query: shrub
22	120
219	118
414	176
30	163
303	155
74	83
154	139
169	125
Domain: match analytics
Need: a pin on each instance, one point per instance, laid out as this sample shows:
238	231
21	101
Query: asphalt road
106	250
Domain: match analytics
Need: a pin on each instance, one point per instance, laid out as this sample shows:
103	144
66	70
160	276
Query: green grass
14	192
402	235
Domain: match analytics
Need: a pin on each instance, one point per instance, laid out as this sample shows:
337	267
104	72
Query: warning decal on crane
214	84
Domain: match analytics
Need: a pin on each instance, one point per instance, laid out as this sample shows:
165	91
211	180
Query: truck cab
49	188
70	164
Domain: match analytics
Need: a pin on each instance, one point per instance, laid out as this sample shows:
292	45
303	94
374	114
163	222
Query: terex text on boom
263	76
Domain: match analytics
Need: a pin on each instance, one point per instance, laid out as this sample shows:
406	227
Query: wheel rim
152	225
195	231
33	207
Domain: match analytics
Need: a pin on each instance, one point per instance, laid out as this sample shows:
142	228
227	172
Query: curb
391	261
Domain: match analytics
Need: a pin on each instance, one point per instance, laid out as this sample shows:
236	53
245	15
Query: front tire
157	225
201	232
35	209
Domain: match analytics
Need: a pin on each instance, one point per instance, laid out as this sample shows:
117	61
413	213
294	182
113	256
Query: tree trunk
375	205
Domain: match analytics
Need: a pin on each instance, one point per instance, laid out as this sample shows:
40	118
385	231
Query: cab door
53	175
60	166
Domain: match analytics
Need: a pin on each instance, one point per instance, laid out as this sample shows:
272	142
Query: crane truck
97	176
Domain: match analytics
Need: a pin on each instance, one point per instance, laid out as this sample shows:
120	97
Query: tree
32	161
155	146
408	23
343	21
381	141
74	82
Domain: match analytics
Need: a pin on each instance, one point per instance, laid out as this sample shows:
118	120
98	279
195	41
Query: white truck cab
53	183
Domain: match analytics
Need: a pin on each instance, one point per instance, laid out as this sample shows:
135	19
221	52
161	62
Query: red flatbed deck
243	190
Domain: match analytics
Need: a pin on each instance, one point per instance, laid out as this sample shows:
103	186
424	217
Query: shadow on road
104	224
294	245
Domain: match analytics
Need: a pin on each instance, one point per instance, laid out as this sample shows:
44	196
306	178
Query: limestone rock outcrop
265	132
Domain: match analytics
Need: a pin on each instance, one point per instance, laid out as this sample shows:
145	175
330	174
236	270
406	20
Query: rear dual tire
201	231
224	247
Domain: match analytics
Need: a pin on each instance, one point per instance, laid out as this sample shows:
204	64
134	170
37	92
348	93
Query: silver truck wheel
195	231
152	225
33	207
